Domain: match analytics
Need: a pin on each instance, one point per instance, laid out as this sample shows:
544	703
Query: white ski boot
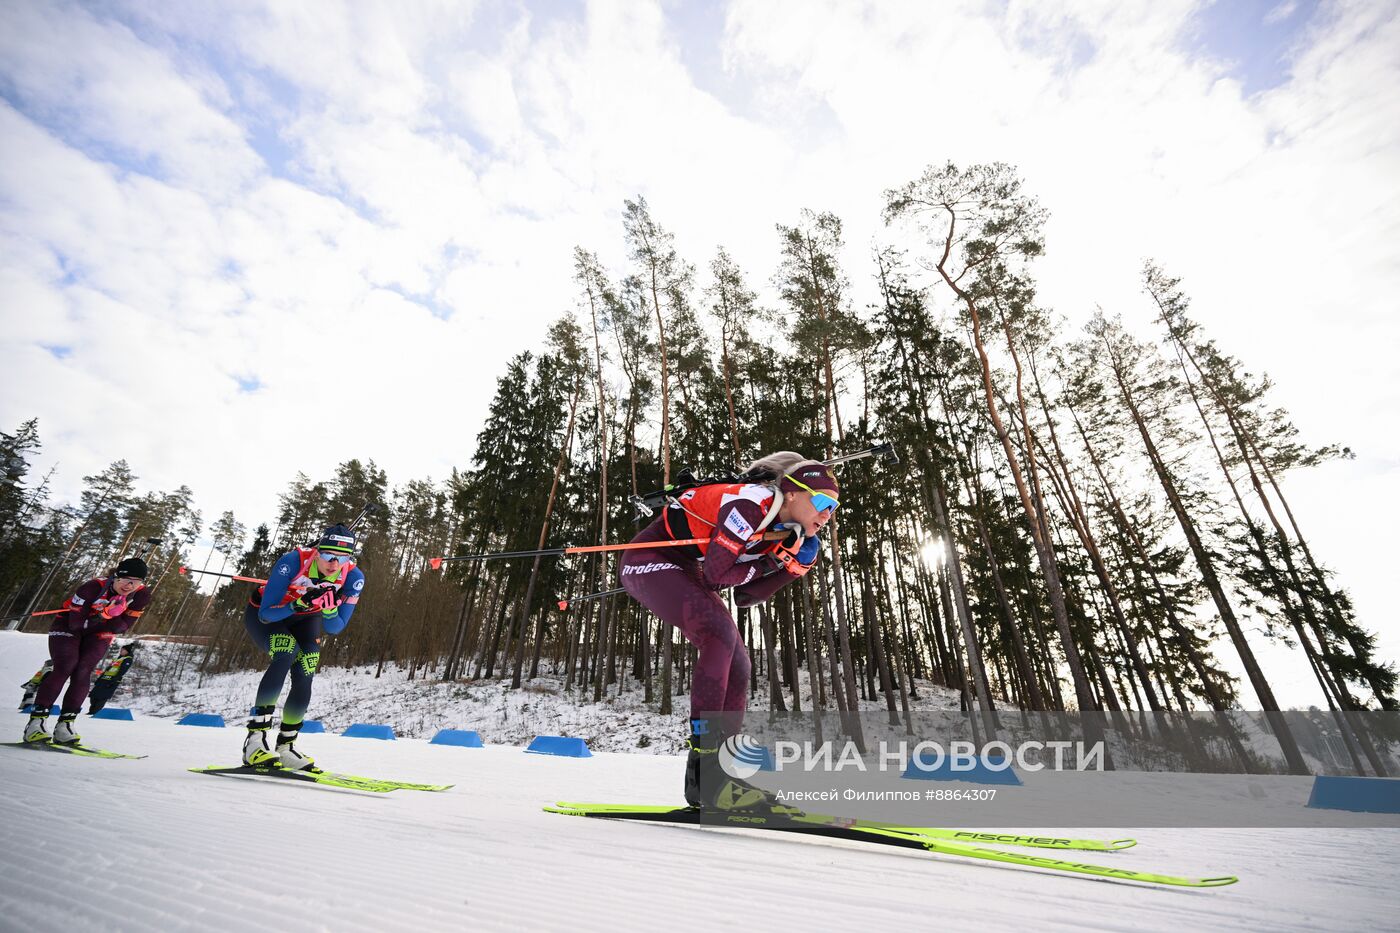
37	729
257	752
292	759
63	733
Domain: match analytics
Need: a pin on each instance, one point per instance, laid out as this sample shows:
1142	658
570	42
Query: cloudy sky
241	240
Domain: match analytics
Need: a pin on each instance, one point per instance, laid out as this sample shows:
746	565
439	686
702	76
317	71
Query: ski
283	774
953	835
83	751
392	785
869	834
326	778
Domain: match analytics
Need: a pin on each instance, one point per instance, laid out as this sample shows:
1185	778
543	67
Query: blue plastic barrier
113	712
29	708
564	746
982	771
463	737
201	719
366	730
311	725
1358	794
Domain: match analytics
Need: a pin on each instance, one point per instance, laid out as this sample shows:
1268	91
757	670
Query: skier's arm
80	606
277	582
734	526
134	607
336	622
779	576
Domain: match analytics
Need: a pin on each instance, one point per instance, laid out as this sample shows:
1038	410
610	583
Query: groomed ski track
146	845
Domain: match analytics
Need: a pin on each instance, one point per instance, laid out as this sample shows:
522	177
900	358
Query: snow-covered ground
142	845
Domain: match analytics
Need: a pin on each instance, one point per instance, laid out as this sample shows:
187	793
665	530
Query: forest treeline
1084	519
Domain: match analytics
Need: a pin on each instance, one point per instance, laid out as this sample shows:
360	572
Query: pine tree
984	214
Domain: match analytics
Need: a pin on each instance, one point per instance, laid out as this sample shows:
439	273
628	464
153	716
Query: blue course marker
564	746
461	737
366	730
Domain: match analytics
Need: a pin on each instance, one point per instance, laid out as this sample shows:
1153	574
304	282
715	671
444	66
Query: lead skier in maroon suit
682	585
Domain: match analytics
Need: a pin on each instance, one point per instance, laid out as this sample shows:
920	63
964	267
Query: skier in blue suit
310	593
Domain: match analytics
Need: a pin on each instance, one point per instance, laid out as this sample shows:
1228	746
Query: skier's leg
720	683
307	633
63	649
681	601
281	650
736	694
91	648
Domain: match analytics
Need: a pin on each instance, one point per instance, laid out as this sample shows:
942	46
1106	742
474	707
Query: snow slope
140	845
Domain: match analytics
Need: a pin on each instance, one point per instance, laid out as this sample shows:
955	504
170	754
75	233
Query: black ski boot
703	756
708	787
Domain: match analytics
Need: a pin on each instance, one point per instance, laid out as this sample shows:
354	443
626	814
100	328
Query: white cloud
110	89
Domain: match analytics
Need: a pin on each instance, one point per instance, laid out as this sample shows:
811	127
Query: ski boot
37	729
287	753
63	733
256	751
709	788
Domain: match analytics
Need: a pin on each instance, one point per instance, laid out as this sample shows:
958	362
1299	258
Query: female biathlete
79	637
681	586
310	592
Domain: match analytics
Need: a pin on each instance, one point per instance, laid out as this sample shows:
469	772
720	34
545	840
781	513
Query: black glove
793	542
785	555
304	601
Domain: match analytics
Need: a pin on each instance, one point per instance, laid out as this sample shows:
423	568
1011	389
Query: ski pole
48	612
437	562
564	604
231	576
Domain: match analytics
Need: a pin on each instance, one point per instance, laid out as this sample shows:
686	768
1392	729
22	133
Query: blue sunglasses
821	501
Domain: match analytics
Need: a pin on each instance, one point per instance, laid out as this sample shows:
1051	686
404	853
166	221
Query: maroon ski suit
79	638
682	587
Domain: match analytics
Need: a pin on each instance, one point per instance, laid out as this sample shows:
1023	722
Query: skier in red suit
682	585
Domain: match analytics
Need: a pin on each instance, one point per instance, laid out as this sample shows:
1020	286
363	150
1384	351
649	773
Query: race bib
736	524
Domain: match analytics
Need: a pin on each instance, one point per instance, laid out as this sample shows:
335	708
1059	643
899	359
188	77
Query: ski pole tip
563	605
184	570
435	563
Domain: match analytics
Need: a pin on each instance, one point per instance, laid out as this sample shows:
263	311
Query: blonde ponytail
778	463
